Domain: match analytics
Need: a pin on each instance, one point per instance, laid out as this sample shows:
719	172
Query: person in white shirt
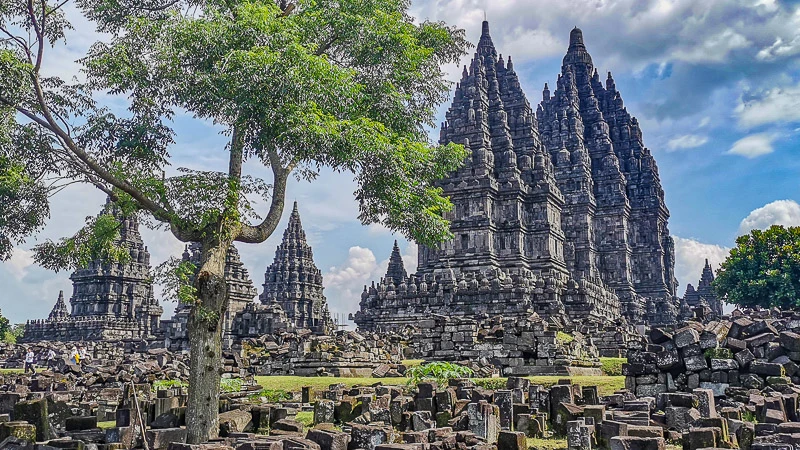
51	358
30	357
82	352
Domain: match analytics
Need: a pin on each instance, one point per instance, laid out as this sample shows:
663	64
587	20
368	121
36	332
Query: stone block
235	421
511	440
78	423
724	364
686	337
695	363
705	402
161	439
35	412
18	429
790	341
329	439
289	425
744	358
368	437
324	411
636	443
702	437
767	369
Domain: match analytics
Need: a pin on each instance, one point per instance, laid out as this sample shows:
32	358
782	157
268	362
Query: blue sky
715	86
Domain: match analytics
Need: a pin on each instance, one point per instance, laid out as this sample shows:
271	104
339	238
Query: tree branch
257	234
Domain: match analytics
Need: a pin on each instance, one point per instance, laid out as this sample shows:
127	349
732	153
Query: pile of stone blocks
344	353
745	352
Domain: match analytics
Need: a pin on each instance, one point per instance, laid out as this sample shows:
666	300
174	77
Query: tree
763	269
347	84
5	326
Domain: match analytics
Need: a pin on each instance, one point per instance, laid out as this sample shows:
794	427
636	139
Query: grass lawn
295	383
606	385
554	443
107	424
612	366
4	371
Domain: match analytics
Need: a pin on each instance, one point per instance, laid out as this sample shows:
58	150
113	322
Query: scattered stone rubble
725	383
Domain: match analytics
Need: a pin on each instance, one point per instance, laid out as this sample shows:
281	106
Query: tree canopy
296	85
763	269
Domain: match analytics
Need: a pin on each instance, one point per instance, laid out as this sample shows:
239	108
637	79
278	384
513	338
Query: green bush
229	385
168	384
612	366
441	372
491	383
564	338
271	395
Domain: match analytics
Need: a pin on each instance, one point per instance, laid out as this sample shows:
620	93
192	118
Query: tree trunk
205	344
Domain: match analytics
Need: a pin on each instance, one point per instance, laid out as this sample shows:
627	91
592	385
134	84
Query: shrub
612	366
490	383
271	395
564	338
230	385
168	384
441	372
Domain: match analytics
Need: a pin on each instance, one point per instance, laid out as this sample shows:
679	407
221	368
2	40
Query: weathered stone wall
345	353
517	346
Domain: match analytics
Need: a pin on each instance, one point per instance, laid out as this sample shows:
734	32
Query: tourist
51	358
75	356
29	358
82	352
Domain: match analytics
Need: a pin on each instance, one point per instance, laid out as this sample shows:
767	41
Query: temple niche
110	301
558	212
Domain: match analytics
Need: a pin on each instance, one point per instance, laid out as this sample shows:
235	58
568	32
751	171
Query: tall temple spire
396	271
59	311
577	54
294	282
485	44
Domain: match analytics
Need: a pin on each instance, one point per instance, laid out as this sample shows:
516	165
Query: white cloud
714	48
778	105
753	146
779	49
19	263
779	212
690	256
686	141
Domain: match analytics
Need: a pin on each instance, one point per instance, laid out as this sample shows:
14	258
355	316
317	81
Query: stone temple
703	298
558	211
109	301
292	296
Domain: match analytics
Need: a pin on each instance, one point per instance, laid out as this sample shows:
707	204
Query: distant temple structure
241	293
292	297
702	300
558	213
294	282
110	301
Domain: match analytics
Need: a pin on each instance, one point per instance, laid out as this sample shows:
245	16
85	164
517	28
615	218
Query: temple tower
114	290
396	270
294	282
241	290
